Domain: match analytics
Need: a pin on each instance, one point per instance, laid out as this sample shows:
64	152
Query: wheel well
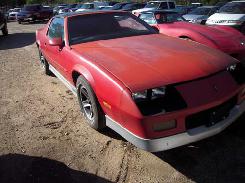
75	75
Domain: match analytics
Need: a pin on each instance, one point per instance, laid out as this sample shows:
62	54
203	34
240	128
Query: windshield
71	6
127	6
233	7
118	6
200	11
152	5
16	10
93	27
87	6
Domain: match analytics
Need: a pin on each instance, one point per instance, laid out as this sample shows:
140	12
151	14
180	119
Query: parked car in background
196	5
75	8
231	14
156	91
3	24
201	14
96	5
156	5
58	7
182	10
133	6
67	8
12	15
117	6
86	7
220	4
223	38
33	13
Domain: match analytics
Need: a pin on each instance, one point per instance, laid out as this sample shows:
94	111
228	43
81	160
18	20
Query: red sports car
156	91
224	38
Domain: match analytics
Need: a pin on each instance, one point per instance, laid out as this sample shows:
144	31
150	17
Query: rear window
233	8
93	27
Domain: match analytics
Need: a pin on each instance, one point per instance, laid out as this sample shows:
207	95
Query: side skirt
67	83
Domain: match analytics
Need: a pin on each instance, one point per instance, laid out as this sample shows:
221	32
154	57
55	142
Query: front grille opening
172	101
211	116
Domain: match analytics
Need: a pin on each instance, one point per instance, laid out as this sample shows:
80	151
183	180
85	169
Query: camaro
223	38
158	92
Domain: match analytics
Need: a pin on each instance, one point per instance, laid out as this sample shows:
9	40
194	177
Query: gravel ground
44	138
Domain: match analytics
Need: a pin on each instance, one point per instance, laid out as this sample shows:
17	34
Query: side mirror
56	42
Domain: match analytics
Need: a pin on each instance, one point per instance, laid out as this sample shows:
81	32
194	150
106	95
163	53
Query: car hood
194	17
227	16
149	61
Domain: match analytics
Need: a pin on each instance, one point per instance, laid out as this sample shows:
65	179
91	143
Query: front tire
89	104
44	64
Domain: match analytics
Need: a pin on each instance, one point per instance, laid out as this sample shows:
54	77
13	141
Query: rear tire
5	30
44	64
19	22
89	104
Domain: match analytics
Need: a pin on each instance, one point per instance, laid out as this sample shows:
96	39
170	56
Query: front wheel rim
86	103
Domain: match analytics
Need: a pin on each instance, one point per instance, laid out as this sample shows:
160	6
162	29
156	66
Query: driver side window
56	28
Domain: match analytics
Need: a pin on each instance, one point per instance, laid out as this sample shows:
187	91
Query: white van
231	14
156	5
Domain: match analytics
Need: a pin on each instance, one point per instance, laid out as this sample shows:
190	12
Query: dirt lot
43	137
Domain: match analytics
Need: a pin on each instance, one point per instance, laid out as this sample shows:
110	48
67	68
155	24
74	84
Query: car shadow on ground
41	22
26	169
112	134
218	159
16	40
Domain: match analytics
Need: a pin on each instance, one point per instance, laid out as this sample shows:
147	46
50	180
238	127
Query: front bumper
12	17
24	18
192	135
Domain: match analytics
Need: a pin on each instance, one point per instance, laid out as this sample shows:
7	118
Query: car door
54	53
